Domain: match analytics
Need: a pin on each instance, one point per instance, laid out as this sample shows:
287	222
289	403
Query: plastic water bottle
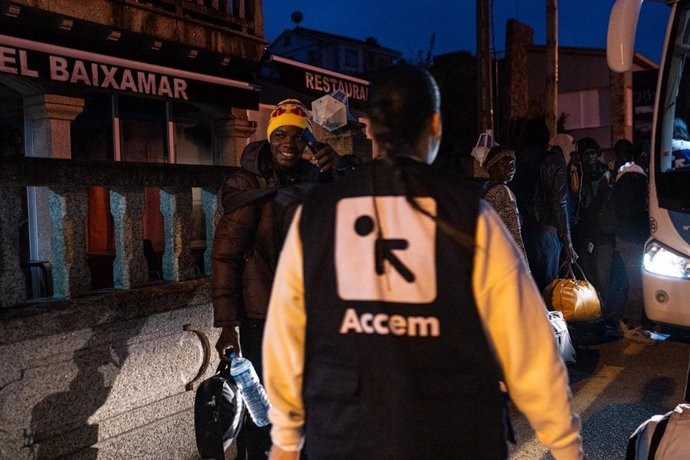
251	389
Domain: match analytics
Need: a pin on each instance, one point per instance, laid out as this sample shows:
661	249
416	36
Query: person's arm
233	235
515	321
283	347
555	178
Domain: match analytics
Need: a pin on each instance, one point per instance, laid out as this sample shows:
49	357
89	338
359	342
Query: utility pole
551	89
485	103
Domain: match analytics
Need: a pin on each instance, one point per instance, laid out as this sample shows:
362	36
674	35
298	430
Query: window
311	57
351	58
585	109
192	127
195	143
11	122
142	129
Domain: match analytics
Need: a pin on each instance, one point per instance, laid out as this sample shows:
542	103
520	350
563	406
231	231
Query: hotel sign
30	59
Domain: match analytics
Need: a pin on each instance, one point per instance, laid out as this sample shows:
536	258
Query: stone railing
67	182
104	374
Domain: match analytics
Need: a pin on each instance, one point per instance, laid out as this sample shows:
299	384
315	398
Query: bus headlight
663	261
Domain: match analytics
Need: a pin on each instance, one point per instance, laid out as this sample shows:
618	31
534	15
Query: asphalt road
617	384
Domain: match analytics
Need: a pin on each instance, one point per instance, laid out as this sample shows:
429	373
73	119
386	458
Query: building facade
593	101
119	120
333	52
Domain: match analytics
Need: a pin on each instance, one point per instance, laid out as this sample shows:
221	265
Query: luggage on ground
562	336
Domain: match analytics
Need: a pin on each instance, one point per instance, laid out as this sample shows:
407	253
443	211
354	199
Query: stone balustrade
68	204
104	374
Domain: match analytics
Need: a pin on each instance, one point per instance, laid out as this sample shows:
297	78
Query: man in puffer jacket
248	236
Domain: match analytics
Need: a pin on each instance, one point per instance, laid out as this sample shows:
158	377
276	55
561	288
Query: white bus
666	262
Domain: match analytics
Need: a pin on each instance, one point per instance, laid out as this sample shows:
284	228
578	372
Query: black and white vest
397	364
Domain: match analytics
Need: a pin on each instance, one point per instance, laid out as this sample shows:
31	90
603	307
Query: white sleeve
515	321
283	345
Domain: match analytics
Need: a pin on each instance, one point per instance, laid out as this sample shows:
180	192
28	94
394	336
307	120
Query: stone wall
239	31
104	376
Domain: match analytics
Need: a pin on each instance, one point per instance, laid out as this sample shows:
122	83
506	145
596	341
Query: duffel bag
575	298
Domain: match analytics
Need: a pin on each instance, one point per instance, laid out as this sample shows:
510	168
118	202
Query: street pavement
617	384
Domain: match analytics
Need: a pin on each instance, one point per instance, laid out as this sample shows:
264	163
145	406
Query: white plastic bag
331	111
484	144
562	336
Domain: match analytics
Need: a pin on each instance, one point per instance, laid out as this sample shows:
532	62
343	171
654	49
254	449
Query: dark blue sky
407	25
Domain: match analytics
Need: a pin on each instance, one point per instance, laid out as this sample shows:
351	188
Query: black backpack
218	413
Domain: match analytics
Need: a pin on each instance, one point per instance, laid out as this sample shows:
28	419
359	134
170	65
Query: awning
74	70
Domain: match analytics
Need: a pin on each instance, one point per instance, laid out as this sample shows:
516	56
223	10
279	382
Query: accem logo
383	324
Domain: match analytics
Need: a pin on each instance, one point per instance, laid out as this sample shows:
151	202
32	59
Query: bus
666	258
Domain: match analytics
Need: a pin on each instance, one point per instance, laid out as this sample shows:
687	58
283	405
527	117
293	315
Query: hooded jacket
631	197
247	240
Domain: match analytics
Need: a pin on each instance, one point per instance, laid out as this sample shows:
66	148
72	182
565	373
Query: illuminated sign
302	76
61	65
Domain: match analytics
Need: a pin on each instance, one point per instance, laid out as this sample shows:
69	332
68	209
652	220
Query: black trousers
253	442
543	250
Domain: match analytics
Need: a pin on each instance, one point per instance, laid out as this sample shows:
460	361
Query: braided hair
402	102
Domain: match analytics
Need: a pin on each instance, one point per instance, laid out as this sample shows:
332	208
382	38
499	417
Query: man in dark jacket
593	232
632	230
540	187
248	236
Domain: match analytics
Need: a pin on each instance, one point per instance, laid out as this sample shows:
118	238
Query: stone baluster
210	202
176	207
130	268
49	117
12	285
68	211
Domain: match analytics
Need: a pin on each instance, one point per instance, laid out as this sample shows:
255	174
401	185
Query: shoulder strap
248	197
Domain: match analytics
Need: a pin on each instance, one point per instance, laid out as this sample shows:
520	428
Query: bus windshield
672	155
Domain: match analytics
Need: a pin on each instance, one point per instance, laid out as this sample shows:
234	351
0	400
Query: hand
229	339
279	454
570	254
325	157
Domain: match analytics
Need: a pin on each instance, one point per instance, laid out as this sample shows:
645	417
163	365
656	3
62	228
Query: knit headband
289	112
490	162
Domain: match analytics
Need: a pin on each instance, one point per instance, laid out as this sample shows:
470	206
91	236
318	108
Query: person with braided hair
400	302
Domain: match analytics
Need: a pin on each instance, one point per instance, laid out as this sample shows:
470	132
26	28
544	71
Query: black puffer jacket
541	189
247	240
631	207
